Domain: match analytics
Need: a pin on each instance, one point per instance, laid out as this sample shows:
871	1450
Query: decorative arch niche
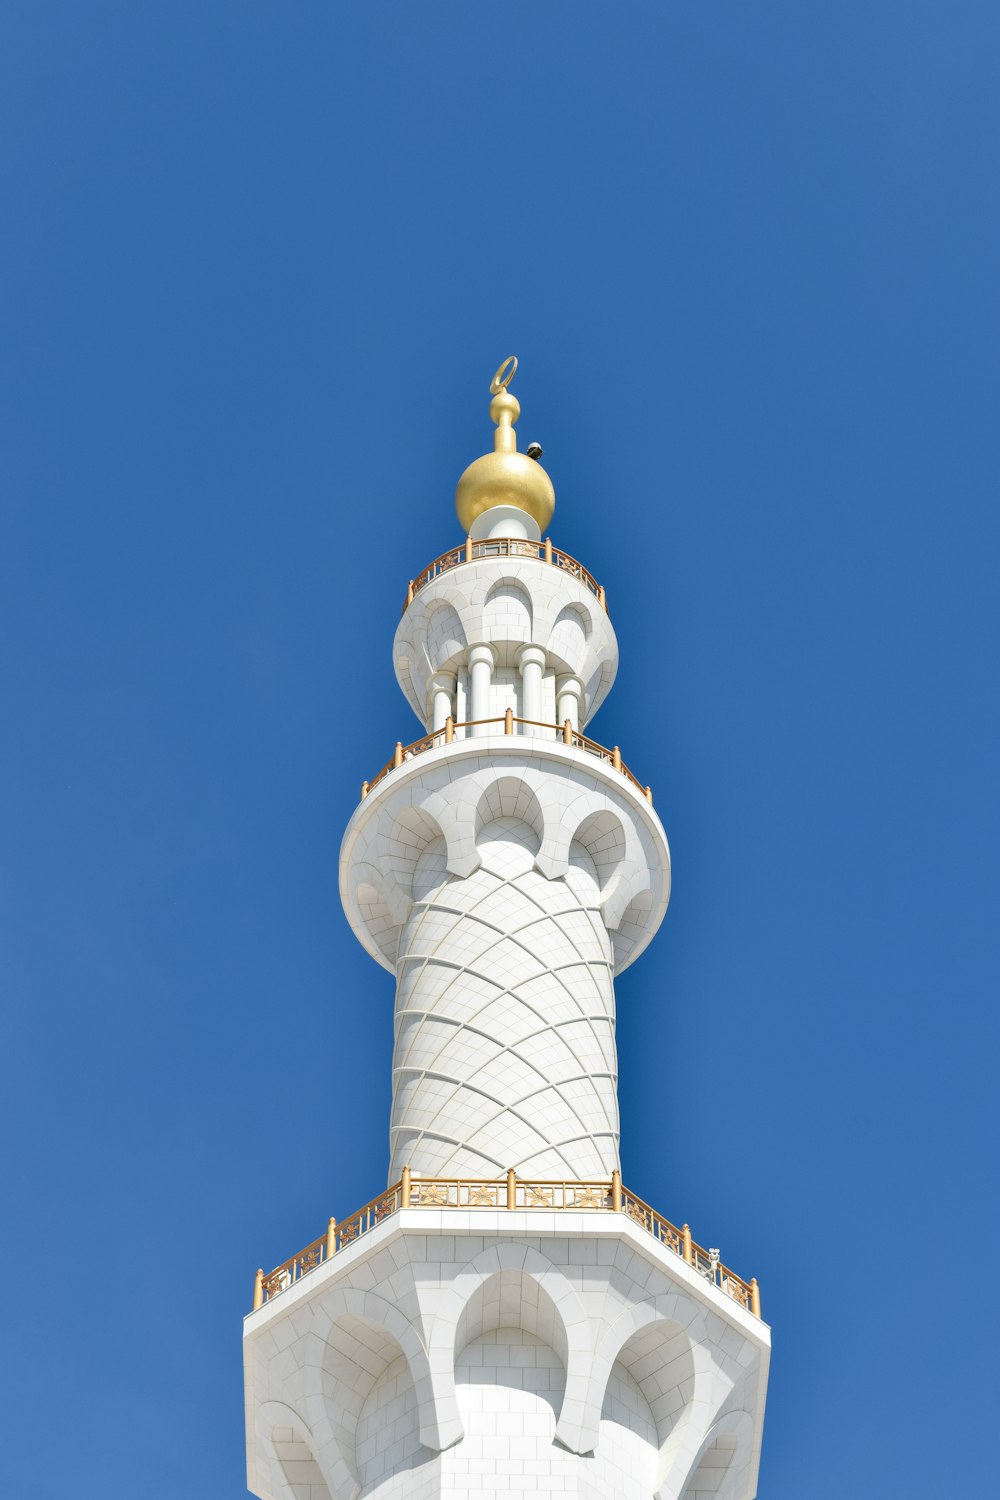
507	613
510	1311
364	1371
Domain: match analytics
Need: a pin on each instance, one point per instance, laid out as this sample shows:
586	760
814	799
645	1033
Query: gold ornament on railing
500	547
563	732
450	1192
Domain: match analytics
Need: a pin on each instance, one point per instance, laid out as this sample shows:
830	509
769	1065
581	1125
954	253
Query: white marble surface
448	794
506	881
471	1353
508	602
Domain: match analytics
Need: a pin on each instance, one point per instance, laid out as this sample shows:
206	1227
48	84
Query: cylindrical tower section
505	881
505	1018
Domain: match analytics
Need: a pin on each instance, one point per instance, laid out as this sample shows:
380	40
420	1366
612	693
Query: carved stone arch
597	687
445	638
602	835
508	614
633	925
417	850
513	1307
511	1256
382	906
291	1457
567	643
722	1461
668	1331
510	797
611	844
371	1309
455	820
404	656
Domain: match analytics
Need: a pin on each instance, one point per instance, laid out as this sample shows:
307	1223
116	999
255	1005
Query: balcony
513	1193
500	547
562	733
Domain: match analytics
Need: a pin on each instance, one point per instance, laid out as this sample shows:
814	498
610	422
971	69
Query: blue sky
258	263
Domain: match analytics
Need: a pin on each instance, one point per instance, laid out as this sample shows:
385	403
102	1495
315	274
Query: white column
531	664
569	700
442	698
481	660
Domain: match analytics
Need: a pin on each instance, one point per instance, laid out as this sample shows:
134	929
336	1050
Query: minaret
506	1317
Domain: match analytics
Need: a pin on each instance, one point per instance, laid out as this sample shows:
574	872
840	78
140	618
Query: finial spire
504	408
503	376
511	485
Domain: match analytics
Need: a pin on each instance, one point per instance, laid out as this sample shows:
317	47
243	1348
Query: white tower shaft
505	1045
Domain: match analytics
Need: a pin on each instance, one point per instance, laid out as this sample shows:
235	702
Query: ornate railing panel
512	1193
505	546
563	733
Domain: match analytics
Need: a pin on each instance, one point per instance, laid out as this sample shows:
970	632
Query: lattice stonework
505	1046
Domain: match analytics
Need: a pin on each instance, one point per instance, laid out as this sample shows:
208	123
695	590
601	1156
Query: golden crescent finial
505	480
500	381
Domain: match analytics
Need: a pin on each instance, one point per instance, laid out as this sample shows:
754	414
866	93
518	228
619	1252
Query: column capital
443	682
482	653
569	684
530	656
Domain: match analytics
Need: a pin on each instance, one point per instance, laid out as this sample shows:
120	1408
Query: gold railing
511	1193
564	733
505	546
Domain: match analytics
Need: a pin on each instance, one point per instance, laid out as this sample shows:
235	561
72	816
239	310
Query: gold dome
505	477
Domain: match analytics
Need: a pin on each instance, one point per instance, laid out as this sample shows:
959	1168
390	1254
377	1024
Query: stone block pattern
467	1356
507	602
505	1046
446	797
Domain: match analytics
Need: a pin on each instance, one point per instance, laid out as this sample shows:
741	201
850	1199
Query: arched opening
377	917
568	641
419	854
509	800
299	1469
507	613
445	640
370	1397
649	1391
602	836
709	1479
510	1362
632	929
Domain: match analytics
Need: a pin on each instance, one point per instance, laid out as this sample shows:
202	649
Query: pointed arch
289	1451
721	1464
356	1310
571	1327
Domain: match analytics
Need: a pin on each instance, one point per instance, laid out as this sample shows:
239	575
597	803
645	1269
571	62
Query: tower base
472	1352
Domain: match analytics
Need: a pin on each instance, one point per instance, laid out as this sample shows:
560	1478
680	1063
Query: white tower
506	1318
